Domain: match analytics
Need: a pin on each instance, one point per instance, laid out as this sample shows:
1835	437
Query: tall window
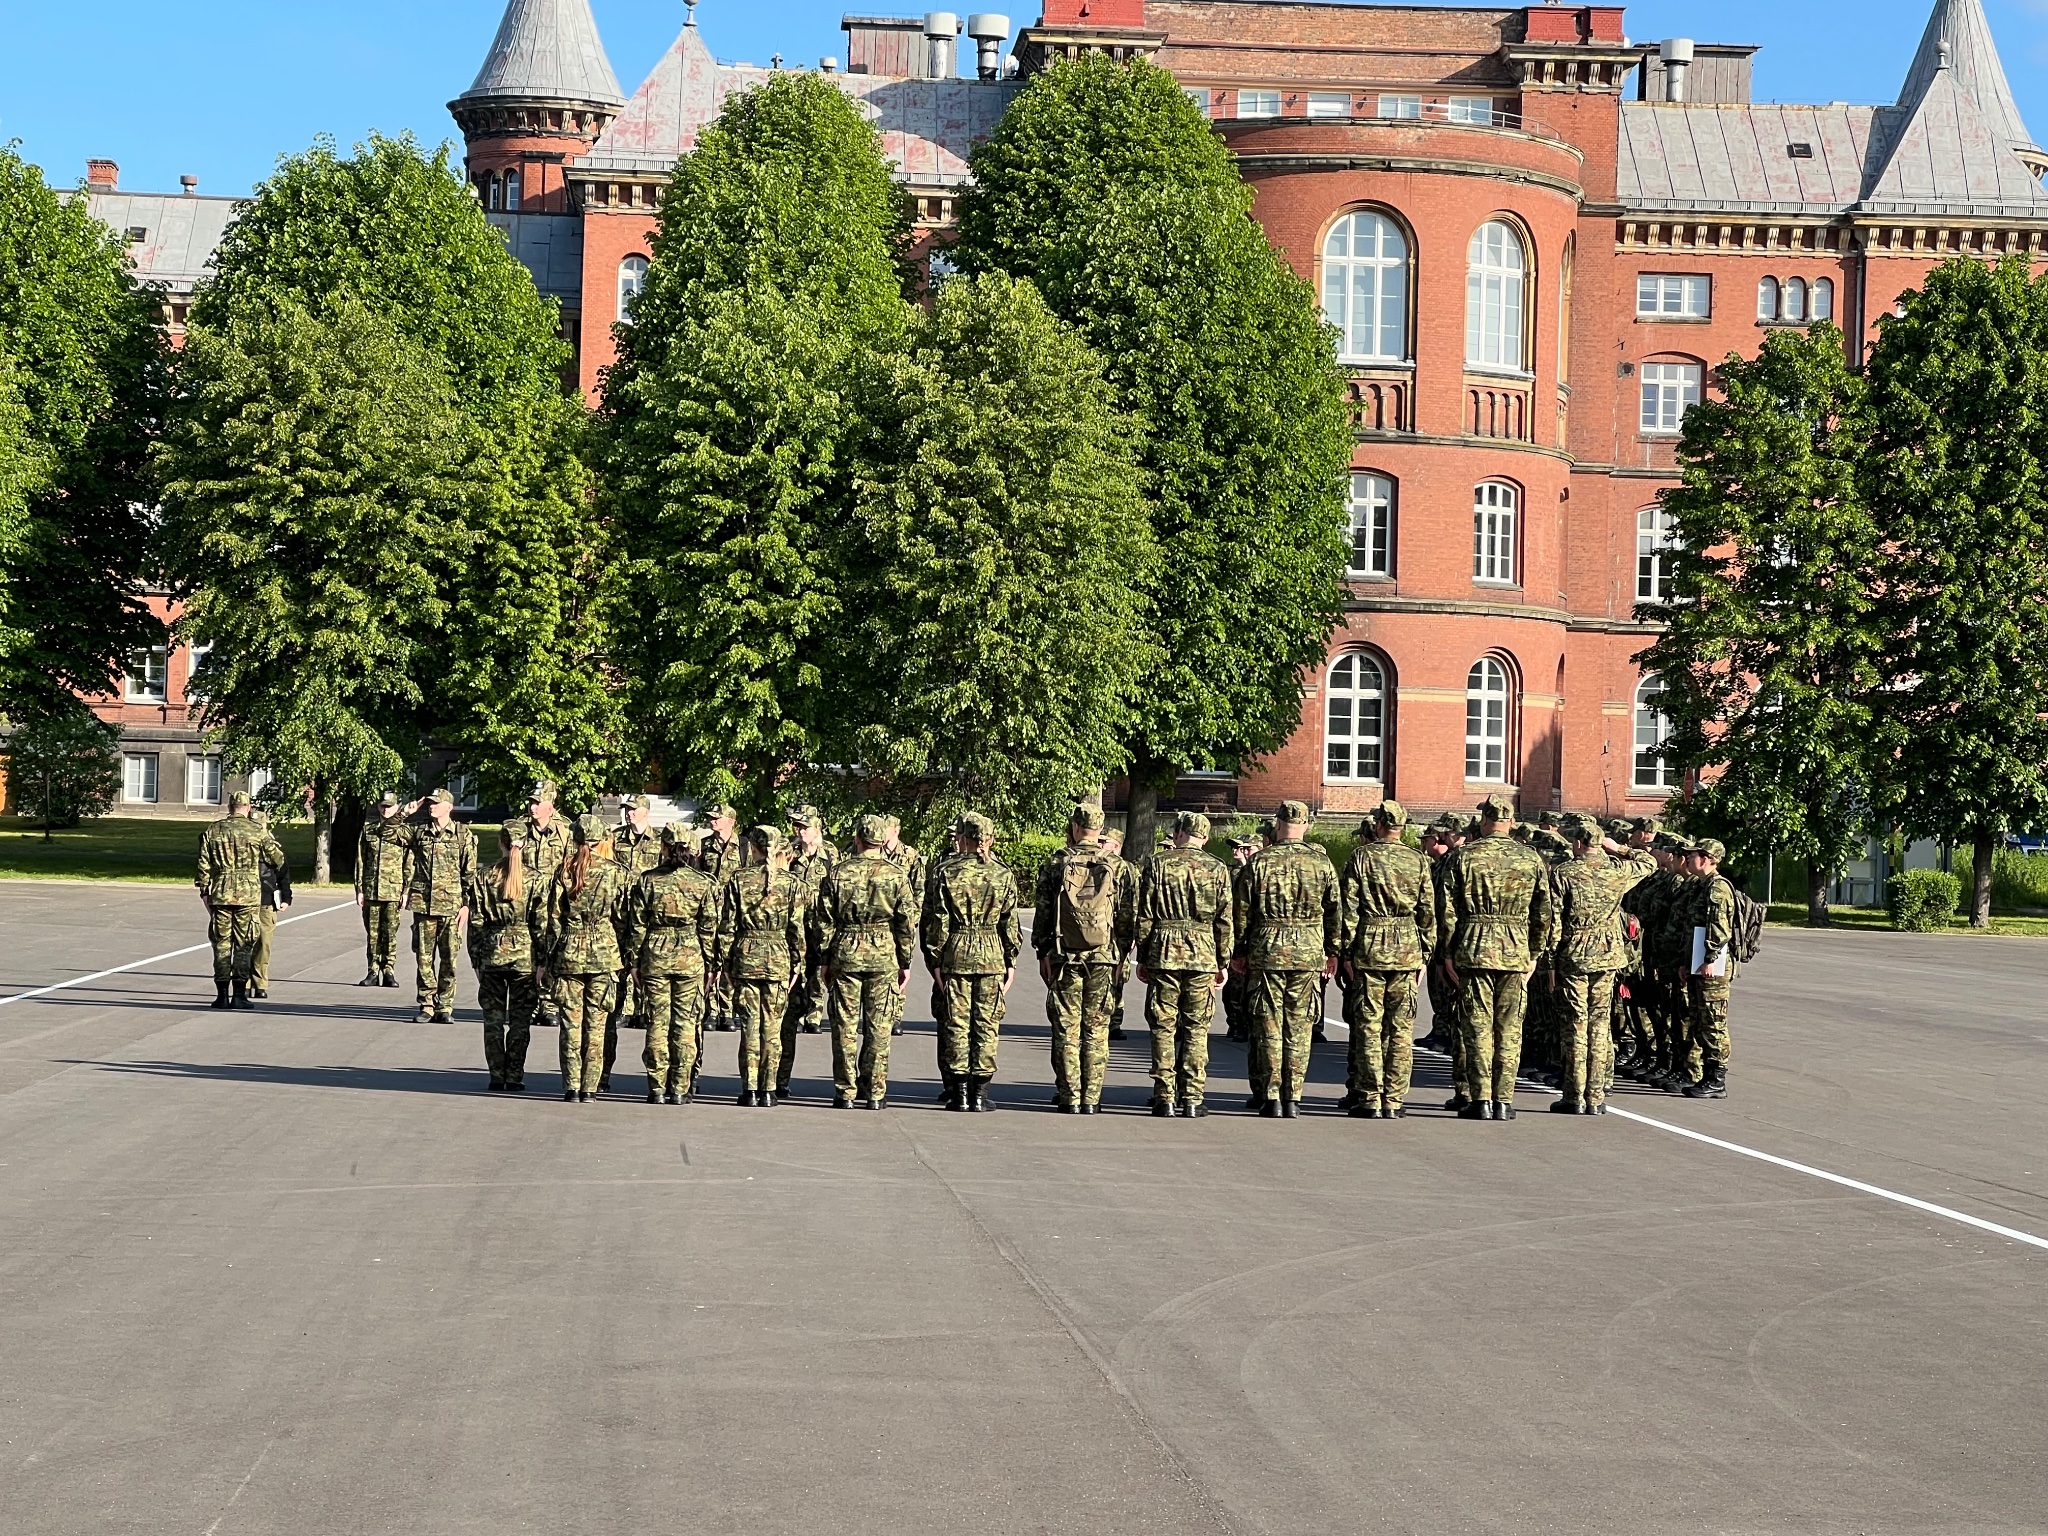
1354	718
197	654
1486	722
1767	298
1329	103
632	278
1258	103
202	781
1653	729
1493	532
144	683
496	194
1365	288
1668	295
138	778
1493	297
1656	537
1795	298
1823	298
1372	526
1668	388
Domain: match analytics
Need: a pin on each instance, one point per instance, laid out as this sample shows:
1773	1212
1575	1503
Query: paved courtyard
294	1271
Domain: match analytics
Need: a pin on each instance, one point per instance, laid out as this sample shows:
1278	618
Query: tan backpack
1087	902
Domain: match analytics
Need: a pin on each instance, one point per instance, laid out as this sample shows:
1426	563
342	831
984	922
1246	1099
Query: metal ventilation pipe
1676	54
988	31
941	31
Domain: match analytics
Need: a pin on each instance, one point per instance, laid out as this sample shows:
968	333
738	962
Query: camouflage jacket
501	931
541	853
812	868
1184	919
384	859
1669	944
636	852
864	921
231	859
924	874
1291	915
1128	878
970	917
1446	919
672	923
1045	909
1389	908
582	931
761	924
912	863
443	865
1714	910
720	858
1500	892
1586	894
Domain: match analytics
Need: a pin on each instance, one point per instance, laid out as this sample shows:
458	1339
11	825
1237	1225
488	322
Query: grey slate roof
548	49
1701	155
179	233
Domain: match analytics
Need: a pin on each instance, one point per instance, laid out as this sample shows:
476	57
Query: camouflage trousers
1236	1008
380	936
1380	1009
972	1025
673	1008
1079	1001
1446	1026
233	932
1180	1008
585	1003
508	999
1286	1008
1586	1021
865	1008
266	935
1706	1042
1491	1004
433	958
757	1004
808	1002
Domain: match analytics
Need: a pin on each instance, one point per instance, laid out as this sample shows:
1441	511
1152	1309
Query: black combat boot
1476	1109
1712	1085
1195	1109
373	979
241	999
568	1095
1289	1110
220	994
1502	1110
1347	1101
1269	1109
1457	1104
956	1096
1358	1109
1256	1105
1565	1107
1162	1107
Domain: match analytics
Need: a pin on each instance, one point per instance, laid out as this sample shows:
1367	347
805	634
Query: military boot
241	999
220	994
1476	1109
1566	1107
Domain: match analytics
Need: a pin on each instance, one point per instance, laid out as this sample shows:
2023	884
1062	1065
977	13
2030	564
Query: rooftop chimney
988	31
941	30
1676	54
102	175
190	184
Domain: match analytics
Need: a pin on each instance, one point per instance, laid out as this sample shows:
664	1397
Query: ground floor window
1486	721
138	778
1354	718
202	781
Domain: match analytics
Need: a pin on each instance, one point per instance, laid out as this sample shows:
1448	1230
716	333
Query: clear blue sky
220	88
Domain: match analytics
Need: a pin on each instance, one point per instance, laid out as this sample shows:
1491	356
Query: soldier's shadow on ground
440	1080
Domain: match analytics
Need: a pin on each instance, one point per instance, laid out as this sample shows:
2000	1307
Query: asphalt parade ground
295	1271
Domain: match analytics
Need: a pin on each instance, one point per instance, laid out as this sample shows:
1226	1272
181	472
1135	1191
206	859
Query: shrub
1024	854
2019	879
64	768
1923	900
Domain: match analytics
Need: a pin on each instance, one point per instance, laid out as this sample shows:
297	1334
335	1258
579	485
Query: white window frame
1199	95
1656	537
202	779
1794	300
1329	103
1673	296
462	786
1822	304
1258	104
1767	298
1469	109
152	684
1650	728
514	181
1365	287
1355	720
632	283
1489	699
139	778
1668	389
1394	105
1495	505
196	655
260	779
1371	505
1496	275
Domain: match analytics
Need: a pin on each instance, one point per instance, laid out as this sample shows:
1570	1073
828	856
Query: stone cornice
1300	160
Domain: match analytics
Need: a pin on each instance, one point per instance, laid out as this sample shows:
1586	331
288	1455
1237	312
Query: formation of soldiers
1610	948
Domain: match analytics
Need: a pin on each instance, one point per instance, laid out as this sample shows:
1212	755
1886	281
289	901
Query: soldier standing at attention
586	904
1672	951
230	882
1389	932
761	946
1500	895
1183	932
1591	950
1127	900
671	936
970	927
501	906
720	856
1287	931
1648	904
636	850
443	864
383	876
277	896
1708	985
545	840
1078	932
810	860
1236	1007
863	926
1446	1027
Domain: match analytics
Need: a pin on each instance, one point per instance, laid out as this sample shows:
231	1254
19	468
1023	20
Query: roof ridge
550	49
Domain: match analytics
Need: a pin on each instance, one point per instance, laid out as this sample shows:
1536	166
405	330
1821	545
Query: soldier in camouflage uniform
1288	927
1183	931
1500	898
1446	1027
1388	934
501	916
912	863
1670	953
230	882
277	897
1127	877
1591	949
383	877
761	947
721	855
586	904
1647	903
1080	928
545	840
636	850
672	918
1713	906
443	864
970	928
1236	1006
863	927
810	859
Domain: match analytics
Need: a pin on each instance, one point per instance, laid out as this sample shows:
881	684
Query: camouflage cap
1582	829
442	797
1244	842
239	800
632	802
1292	813
389	797
1497	805
975	827
1390	813
512	830
713	812
542	793
1086	816
590	828
1710	848
1113	836
1521	832
872	829
1193	823
1664	842
1550	819
1644	824
806	815
765	837
679	834
1621	827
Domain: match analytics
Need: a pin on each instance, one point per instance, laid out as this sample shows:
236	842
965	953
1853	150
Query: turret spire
548	50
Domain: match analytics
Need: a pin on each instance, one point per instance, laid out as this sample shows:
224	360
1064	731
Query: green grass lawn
124	848
1789	914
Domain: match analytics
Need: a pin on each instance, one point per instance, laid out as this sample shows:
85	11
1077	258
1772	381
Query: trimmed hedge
1923	900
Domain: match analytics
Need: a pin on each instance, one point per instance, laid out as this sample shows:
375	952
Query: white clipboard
1719	967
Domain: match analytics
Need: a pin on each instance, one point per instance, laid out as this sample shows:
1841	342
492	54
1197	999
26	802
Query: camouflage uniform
501	953
1128	875
443	865
1707	1045
230	881
582	948
1650	904
1080	976
672	918
806	1006
1236	1003
761	945
720	858
1389	932
636	852
970	928
1500	894
1288	927
1591	947
1183	931
863	930
277	892
383	876
541	852
1670	951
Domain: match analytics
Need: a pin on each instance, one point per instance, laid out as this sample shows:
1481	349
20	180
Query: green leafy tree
63	766
993	646
1772	642
1106	187
81	394
726	426
1958	479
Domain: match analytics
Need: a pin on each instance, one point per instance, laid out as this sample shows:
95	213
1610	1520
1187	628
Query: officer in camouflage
637	850
863	927
277	897
1669	952
1708	985
970	928
810	859
1080	928
383	877
906	858
545	840
1591	950
443	865
1236	1003
1288	928
721	856
672	918
761	946
1500	901
501	918
230	882
1388	934
1183	931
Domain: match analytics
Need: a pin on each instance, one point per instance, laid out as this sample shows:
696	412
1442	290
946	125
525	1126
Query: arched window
1493	532
1767	298
632	278
1493	297
1656	537
1823	298
512	185
1487	693
1653	729
493	193
1795	298
1372	526
1354	718
1365	288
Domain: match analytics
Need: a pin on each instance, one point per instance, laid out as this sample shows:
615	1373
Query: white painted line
136	965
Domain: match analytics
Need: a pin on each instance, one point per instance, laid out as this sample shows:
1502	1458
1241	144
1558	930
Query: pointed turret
544	95
548	50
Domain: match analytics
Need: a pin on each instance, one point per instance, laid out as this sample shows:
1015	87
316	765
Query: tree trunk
1817	896
344	833
323	835
1980	894
1141	818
